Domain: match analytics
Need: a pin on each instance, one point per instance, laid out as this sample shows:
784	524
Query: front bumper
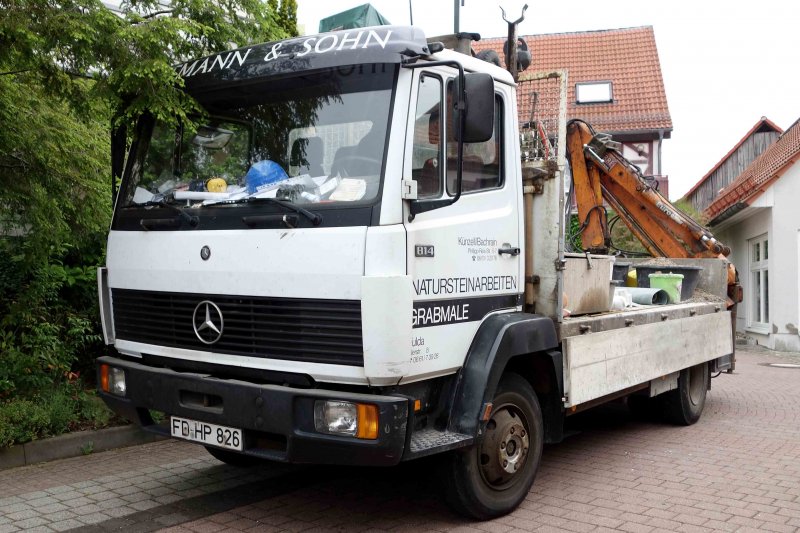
277	421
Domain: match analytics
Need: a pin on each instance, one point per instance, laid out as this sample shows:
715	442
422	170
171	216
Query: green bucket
671	283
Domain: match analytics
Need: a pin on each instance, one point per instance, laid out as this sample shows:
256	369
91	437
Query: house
752	145
614	84
756	215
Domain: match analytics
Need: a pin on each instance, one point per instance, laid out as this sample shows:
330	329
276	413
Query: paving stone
60	516
102	496
40	502
15	508
167	499
89	491
126	490
143	505
11	500
77	501
66	524
93	518
85	509
34	495
22	515
68	495
30	523
52	508
112	503
736	469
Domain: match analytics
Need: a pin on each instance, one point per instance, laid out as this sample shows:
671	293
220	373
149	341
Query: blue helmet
263	175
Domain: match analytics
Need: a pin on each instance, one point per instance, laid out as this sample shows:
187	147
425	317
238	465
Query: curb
73	445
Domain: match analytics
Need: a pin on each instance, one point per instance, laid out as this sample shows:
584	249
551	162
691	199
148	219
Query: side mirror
479	120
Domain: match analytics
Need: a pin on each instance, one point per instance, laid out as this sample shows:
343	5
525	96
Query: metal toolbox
587	283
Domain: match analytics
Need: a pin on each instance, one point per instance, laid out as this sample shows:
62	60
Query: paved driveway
738	469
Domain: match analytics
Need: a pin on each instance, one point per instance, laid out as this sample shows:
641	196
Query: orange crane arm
600	172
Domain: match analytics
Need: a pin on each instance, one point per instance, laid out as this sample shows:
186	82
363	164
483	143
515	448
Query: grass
69	407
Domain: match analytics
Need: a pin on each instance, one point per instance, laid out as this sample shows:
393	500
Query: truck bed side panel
602	363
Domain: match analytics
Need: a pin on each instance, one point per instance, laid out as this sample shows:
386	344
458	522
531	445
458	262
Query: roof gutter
727	213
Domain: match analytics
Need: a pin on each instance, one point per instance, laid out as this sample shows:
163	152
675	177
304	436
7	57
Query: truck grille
317	331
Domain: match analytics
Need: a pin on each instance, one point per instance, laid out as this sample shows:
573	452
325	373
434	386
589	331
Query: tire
684	405
233	459
477	482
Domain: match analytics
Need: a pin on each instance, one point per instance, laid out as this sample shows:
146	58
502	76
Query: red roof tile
761	173
628	57
764	122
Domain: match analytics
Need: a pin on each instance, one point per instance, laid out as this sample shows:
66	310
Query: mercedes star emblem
207	322
205	253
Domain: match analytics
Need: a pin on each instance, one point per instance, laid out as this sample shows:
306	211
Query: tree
68	68
287	16
54	210
129	56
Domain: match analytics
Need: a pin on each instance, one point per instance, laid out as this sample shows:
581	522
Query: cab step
429	441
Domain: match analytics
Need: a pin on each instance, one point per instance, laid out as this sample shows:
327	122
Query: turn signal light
104	378
367	421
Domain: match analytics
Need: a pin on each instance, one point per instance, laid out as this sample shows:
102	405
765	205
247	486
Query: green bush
93	411
22	421
67	408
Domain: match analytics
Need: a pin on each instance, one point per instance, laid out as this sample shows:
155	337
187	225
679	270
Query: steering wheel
345	165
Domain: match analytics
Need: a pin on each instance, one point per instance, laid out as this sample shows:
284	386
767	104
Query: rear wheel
233	458
492	477
684	405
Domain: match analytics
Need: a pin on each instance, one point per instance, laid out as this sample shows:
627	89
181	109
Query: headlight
116	381
346	418
112	380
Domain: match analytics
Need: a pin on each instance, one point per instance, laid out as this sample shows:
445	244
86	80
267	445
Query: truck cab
325	265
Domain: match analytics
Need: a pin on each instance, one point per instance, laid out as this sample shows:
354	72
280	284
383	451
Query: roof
761	173
627	56
759	126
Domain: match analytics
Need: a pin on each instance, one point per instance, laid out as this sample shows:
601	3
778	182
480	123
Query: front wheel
684	405
492	477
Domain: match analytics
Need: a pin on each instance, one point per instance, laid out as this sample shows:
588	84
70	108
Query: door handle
507	249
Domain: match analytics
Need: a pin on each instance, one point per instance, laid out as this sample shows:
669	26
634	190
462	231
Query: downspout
660	140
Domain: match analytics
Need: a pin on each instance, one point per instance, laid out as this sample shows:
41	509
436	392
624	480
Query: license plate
205	433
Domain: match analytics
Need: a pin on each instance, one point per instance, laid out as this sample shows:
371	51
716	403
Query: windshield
315	140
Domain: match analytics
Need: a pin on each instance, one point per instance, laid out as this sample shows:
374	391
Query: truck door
463	259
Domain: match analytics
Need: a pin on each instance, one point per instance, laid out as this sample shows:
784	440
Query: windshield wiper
315	218
192	220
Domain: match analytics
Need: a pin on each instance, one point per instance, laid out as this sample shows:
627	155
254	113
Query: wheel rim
505	446
696	384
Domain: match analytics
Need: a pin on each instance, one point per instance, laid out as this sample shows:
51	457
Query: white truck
347	263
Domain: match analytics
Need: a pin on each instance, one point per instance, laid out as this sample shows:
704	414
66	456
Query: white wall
784	264
737	238
774	213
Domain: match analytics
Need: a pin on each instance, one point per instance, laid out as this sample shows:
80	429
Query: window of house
593	92
426	156
758	316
